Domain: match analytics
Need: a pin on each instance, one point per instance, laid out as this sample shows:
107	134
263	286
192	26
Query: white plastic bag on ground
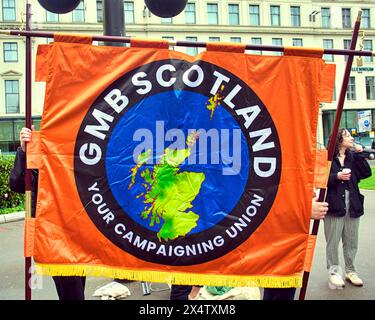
112	291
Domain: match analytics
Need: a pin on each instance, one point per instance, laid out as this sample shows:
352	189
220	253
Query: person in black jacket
318	212
345	207
68	288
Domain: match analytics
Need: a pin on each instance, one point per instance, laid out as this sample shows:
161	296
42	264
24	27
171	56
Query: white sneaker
353	278
335	281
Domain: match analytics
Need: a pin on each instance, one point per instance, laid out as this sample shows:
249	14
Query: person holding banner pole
68	288
185	292
318	212
345	208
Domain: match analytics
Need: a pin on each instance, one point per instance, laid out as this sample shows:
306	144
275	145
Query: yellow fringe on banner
168	277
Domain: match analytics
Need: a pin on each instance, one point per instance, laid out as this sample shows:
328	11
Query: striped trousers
345	229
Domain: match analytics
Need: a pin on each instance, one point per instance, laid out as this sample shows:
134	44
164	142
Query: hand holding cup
344	175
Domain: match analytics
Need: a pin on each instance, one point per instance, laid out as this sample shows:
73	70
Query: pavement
12	267
11	217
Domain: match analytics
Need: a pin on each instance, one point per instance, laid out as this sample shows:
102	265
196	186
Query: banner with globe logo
158	166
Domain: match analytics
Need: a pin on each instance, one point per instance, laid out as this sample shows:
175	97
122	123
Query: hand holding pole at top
25	136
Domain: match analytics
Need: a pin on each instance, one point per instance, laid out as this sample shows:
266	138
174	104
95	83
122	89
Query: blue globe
182	111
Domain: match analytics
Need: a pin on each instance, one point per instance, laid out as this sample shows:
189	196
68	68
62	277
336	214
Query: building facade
308	23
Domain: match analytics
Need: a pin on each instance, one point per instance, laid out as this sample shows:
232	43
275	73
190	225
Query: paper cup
346	170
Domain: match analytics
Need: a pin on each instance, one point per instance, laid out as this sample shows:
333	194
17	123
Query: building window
129	12
328	44
334	92
256	41
370	88
295	15
169	39
52	17
99	11
9	10
346	18
367	45
234	14
366	22
347	43
277	42
10	52
254	15
350	93
190	13
12	99
235	39
166	20
193	50
346	46
212	13
275	15
9	133
349	120
214	39
6	135
297	42
326	17
79	13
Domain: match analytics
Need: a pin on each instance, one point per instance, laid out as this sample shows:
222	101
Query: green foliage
11	210
368	183
8	198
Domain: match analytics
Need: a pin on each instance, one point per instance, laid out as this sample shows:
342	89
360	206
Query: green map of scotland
169	193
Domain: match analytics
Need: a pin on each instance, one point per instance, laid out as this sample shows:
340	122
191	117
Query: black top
17	178
336	188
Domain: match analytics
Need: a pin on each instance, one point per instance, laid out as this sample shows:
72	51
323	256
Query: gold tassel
168	277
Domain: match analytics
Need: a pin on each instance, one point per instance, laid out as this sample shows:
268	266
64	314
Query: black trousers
70	288
180	292
279	293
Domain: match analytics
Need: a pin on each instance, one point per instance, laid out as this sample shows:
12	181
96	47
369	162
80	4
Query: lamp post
61	6
166	8
113	20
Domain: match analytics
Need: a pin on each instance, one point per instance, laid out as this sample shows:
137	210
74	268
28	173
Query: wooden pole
332	141
195	44
28	175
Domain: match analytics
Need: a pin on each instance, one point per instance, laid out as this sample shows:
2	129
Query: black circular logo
177	163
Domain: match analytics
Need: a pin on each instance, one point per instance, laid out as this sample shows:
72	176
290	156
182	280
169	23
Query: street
12	268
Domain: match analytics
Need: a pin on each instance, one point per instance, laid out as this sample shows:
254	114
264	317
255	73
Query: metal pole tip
359	16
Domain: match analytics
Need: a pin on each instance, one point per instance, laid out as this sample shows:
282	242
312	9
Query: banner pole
332	141
28	175
191	44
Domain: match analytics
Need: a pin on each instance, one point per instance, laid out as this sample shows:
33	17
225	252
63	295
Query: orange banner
321	169
159	166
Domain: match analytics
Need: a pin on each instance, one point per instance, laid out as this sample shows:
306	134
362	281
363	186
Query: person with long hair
345	203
